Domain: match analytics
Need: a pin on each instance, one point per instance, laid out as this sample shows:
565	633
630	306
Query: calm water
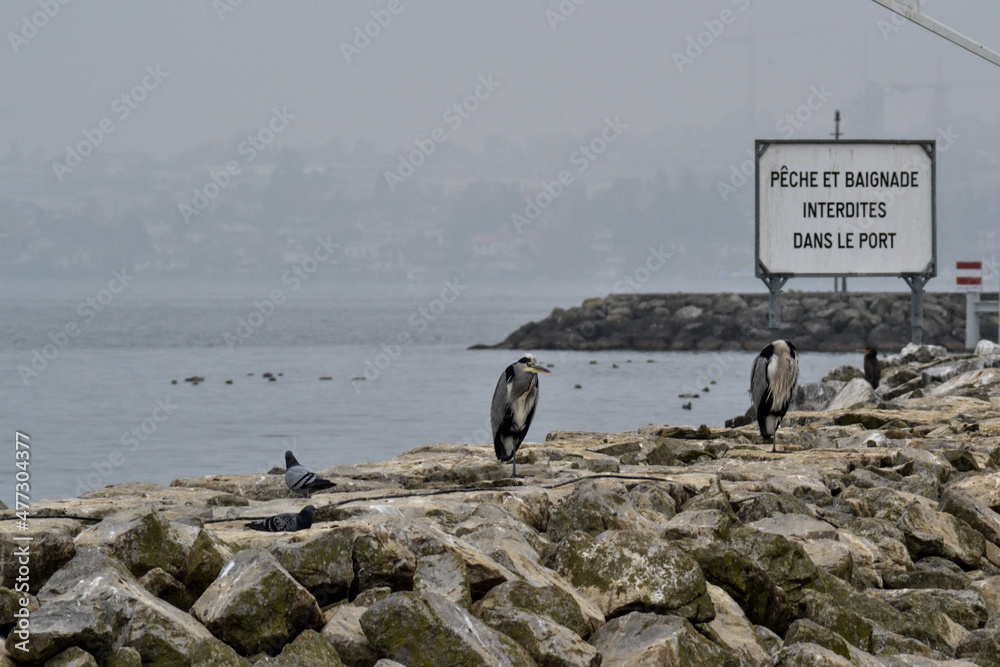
102	408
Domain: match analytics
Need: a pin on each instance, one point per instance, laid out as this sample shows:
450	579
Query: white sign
845	208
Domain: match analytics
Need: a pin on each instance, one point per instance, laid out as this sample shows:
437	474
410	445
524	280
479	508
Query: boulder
322	563
593	507
142	540
545	640
733	631
96	603
72	657
255	605
343	631
808	655
786	562
203	562
444	574
804	631
855	394
51	546
749	584
381	558
426	630
626	571
638	639
551	602
309	649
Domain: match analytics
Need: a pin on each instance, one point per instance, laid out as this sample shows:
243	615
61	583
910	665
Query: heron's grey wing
758	381
500	407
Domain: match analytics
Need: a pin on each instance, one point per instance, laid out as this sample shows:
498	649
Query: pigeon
300	480
285	523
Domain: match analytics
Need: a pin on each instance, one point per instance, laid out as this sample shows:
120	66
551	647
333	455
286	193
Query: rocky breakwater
832	322
873	540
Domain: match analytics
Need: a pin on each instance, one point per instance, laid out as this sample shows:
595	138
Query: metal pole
971	320
774	284
916	283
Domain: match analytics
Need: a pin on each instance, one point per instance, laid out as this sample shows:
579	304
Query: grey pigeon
285	523
300	480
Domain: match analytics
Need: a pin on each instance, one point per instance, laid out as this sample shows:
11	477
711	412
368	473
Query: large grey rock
550	601
786	562
142	540
513	551
425	630
593	507
381	558
634	571
444	574
749	584
808	655
51	546
203	562
343	631
72	657
255	605
856	394
732	630
309	649
639	640
95	603
549	643
323	563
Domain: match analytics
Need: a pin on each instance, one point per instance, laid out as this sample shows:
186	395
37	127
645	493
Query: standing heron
873	370
514	403
772	381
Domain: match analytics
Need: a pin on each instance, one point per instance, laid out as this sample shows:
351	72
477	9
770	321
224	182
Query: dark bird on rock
300	480
772	381
514	403
873	370
285	523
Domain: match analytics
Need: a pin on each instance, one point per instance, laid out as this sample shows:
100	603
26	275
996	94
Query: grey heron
772	381
302	481
873	371
514	403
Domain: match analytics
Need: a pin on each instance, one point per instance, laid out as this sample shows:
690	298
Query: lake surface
100	405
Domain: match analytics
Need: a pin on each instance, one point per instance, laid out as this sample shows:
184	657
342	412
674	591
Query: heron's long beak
536	369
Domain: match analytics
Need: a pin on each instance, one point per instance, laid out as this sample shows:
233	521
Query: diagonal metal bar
912	12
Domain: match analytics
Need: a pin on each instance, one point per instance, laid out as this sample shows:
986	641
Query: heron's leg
513	472
774	442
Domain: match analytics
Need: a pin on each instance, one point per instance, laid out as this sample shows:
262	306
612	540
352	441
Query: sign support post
916	283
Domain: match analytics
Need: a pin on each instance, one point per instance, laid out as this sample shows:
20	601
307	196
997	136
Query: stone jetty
820	321
872	540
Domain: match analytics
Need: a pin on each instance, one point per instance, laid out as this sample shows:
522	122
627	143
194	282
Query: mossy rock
207	557
805	631
310	649
382	559
623	571
652	639
785	561
324	565
866	419
255	605
549	601
140	541
593	507
425	630
763	601
545	640
843	374
74	656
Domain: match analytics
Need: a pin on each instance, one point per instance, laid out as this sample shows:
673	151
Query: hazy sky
222	73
